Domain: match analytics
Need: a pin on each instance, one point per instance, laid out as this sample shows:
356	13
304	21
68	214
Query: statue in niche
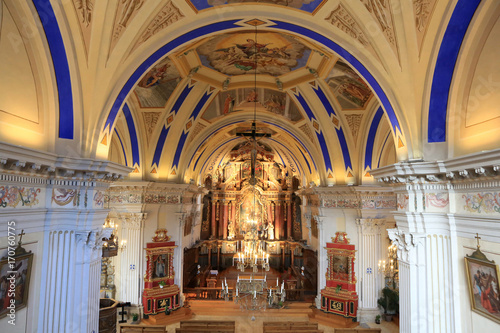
270	230
231	230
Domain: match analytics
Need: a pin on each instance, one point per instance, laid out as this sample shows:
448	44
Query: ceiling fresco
154	88
349	88
309	6
244	53
246	99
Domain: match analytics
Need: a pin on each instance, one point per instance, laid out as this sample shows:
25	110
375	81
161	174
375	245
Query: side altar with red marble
339	296
160	293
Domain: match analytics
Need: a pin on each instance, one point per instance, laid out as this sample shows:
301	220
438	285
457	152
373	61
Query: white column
69	300
131	258
370	280
322	256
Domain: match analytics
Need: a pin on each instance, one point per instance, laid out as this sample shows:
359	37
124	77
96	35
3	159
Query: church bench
358	329
206	326
203	330
124	328
309	330
289	325
209	323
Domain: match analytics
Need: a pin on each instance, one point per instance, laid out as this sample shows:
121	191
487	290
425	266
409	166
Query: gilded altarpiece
339	296
160	293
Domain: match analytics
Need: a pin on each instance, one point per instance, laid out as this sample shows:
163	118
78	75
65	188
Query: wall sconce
123	245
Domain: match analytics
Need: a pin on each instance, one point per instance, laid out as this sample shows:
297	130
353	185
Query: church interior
249	166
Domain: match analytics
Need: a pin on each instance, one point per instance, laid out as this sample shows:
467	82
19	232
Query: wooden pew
291	327
196	326
358	330
126	328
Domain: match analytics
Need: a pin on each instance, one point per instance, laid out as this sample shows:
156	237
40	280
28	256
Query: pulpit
160	293
339	296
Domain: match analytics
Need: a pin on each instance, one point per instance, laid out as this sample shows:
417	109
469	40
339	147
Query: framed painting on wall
14	283
482	278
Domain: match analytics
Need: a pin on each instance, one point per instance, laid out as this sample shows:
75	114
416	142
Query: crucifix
478	238
21	237
253	137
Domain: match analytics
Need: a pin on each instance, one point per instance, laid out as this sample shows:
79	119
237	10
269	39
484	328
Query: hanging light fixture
252	292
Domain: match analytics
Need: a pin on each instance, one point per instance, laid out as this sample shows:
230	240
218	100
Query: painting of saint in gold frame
160	266
14	283
482	277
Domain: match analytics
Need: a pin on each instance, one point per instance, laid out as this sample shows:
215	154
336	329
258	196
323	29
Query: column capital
370	226
407	243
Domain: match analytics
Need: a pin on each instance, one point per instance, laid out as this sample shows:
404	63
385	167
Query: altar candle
255	294
277	282
238	279
269	292
236	291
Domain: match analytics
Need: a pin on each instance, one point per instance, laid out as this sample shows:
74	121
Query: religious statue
232	230
270	230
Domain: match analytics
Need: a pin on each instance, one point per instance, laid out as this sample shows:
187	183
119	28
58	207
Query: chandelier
252	250
252	292
389	268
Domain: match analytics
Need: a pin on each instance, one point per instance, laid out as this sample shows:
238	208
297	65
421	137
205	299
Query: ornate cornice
33	165
464	169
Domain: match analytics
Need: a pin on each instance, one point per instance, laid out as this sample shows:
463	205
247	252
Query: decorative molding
125	12
150	121
152	198
168	15
370	226
26	162
132	220
343	20
307	131
461	170
422	10
354	122
84	10
406	244
381	11
197	129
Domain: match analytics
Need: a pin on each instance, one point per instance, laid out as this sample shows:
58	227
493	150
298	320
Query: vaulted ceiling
343	87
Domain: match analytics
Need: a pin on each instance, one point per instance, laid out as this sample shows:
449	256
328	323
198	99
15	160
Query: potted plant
162	284
377	319
338	288
389	302
135	318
